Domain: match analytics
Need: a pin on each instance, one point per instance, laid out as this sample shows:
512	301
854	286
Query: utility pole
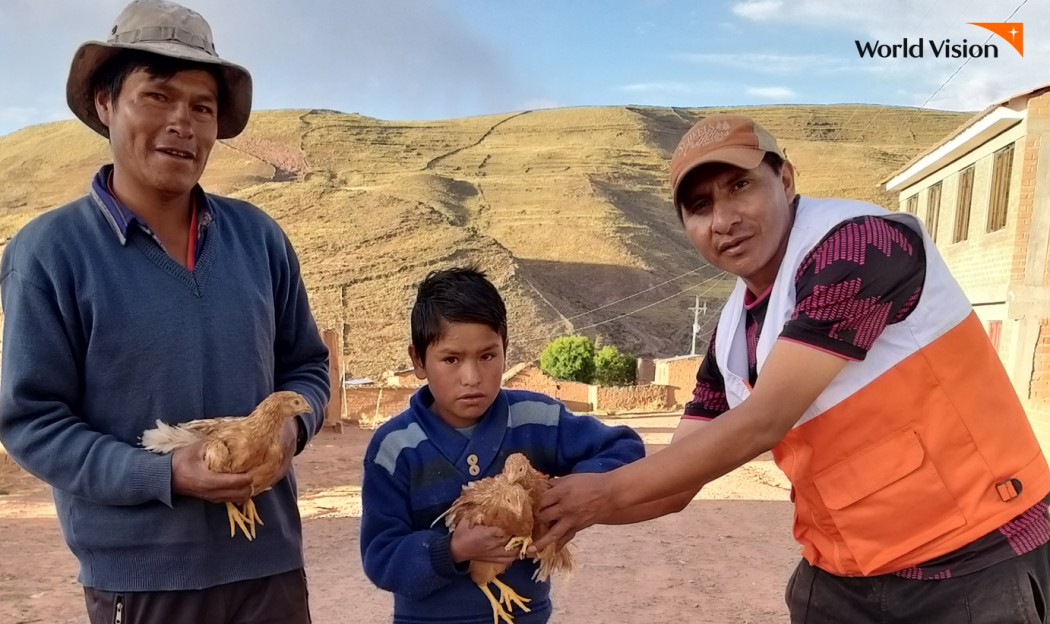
696	320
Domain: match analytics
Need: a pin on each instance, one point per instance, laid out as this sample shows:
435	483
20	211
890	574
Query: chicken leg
508	597
245	520
524	542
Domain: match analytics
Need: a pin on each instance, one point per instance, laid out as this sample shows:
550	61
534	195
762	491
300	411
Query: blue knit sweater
103	336
416	466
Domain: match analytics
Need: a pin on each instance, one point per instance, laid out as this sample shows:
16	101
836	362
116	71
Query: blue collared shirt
120	217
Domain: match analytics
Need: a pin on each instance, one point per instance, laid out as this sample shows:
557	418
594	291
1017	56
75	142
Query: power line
964	63
567	320
602	307
633	312
883	107
536	339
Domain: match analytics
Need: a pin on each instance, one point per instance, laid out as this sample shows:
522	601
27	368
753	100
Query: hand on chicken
232	458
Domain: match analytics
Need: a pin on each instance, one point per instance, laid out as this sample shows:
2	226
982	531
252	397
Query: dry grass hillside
566	209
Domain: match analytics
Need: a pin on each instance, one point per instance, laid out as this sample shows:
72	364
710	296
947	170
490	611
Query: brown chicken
509	501
236	444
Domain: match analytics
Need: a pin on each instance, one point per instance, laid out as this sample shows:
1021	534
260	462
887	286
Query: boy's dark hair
110	77
457	295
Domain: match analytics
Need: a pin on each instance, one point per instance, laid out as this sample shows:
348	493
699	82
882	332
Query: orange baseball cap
732	139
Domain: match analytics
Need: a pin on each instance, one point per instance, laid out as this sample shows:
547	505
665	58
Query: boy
460	427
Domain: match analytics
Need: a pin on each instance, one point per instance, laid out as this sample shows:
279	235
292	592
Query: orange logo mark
1012	32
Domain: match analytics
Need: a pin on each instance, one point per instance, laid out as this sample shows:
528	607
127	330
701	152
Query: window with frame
962	205
998	200
911	206
933	210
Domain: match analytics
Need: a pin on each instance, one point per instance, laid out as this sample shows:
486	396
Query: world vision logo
1011	32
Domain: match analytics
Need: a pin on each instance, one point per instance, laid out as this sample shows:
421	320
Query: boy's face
464	370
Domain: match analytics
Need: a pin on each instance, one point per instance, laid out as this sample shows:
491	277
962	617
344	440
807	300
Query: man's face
464	370
739	219
161	130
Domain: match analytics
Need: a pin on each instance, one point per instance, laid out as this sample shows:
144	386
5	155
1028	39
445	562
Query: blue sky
435	59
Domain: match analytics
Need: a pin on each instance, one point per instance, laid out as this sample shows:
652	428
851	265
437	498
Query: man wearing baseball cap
148	299
850	352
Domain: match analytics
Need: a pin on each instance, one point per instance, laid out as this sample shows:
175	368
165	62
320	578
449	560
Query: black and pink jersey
864	275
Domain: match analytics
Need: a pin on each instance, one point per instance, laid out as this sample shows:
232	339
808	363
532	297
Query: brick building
983	193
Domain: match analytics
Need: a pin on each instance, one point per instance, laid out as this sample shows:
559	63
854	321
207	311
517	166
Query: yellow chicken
508	501
236	444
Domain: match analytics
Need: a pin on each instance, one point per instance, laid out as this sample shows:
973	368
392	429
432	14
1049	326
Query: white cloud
541	103
810	64
759	10
867	17
658	87
891	18
772	93
18	114
13	117
978	83
975	91
644	28
659	93
388	58
766	62
405	59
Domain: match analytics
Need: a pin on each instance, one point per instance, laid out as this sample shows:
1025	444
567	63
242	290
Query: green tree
612	368
570	358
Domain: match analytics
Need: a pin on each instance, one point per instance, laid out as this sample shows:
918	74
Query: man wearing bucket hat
848	350
149	299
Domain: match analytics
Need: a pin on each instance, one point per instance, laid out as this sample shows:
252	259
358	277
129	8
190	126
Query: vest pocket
887	499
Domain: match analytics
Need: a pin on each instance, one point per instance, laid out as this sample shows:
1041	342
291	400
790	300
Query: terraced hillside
567	209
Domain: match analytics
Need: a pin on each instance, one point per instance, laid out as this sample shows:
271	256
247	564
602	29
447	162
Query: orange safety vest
914	452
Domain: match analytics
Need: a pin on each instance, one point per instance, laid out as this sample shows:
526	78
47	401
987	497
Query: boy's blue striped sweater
416	466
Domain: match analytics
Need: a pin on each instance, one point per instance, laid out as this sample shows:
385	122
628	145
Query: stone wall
575	395
650	398
370	406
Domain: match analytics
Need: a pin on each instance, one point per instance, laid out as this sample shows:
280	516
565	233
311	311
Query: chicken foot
245	520
237	520
524	542
498	613
508	597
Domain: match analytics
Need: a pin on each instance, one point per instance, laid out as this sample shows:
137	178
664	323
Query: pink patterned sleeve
709	394
866	274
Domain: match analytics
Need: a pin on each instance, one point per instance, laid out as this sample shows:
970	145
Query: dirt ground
724	560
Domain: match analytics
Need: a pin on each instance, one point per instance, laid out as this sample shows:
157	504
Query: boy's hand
475	542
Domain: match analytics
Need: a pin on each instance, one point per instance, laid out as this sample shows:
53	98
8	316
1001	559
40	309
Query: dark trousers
1012	592
277	599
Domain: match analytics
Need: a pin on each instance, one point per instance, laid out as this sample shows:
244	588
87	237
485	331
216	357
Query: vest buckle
1009	489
